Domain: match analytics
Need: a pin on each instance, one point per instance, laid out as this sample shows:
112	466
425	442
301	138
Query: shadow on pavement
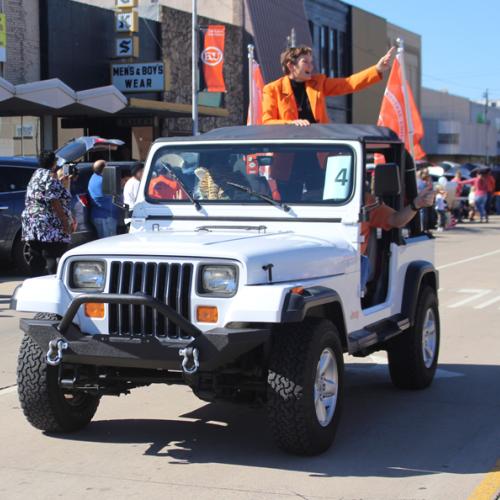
450	427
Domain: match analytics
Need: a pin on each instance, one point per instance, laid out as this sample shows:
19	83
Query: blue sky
460	41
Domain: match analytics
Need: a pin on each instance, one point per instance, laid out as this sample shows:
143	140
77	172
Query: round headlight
219	280
88	276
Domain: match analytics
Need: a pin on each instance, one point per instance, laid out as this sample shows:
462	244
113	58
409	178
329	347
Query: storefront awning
54	97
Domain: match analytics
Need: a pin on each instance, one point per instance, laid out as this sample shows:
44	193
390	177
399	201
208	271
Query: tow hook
55	352
190	362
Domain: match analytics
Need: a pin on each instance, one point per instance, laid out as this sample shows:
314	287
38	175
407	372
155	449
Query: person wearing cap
299	97
131	188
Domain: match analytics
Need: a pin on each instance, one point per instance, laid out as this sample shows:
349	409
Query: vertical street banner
3	38
393	113
212	58
256	89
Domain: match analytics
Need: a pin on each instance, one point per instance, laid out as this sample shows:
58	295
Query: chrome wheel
326	387
429	338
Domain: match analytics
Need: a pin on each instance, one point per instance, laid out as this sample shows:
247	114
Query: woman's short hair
46	159
292	55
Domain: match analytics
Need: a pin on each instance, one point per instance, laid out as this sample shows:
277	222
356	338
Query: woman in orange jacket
299	97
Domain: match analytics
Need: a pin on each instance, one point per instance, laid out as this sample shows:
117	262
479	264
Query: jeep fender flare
418	274
295	305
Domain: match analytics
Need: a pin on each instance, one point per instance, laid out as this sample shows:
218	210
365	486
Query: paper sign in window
337	178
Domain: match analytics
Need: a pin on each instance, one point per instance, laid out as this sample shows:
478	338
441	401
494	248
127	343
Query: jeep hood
293	256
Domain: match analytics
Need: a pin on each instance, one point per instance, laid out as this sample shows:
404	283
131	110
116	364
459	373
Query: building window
329	50
448	138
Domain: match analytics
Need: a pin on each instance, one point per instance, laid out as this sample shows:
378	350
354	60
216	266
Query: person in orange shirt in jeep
299	97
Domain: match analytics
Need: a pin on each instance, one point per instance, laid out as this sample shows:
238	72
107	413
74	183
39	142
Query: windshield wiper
268	199
174	176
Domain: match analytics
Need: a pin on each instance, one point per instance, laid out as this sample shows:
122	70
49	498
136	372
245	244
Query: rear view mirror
387	180
111	181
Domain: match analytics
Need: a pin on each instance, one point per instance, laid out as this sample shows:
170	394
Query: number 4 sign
338	178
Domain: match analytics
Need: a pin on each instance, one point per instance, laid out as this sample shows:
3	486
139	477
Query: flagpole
409	120
251	97
194	67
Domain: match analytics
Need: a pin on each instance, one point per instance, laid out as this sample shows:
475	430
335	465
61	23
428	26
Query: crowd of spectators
458	199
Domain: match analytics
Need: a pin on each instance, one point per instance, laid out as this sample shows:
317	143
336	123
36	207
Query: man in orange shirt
299	97
387	218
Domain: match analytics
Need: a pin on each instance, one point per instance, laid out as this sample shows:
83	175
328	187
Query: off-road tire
44	404
406	360
290	394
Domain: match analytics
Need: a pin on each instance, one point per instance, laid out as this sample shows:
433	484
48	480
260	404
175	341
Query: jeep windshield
302	174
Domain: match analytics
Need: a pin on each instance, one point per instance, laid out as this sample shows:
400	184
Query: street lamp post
194	68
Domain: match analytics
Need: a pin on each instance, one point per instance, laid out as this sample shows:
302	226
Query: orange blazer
278	101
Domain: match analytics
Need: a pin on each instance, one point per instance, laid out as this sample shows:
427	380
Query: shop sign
127	47
3	38
126	22
141	77
26	131
125	4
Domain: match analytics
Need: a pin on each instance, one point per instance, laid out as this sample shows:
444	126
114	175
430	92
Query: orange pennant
255	114
393	113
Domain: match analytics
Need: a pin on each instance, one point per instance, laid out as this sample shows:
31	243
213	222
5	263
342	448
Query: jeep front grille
169	283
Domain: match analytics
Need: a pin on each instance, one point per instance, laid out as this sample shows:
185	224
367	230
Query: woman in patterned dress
46	219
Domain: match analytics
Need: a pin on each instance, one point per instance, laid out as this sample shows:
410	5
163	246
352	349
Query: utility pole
194	67
486	156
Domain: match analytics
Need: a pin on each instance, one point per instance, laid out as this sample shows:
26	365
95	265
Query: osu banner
212	58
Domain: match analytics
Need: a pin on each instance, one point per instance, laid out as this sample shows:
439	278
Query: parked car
15	173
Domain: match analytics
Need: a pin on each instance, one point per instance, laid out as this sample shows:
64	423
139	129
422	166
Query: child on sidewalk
441	208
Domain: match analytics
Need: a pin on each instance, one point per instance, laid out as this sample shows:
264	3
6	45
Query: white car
241	281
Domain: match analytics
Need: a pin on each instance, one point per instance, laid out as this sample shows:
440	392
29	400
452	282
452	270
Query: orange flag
393	113
255	114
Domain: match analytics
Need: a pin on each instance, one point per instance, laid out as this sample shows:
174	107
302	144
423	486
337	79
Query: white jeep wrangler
240	277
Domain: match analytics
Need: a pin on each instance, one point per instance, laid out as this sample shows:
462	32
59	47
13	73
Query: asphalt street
162	442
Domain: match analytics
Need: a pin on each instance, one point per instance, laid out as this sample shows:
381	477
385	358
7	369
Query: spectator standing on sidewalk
427	214
440	205
491	182
480	185
458	204
131	188
102	210
46	219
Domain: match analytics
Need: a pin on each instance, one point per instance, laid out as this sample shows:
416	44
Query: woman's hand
301	123
384	63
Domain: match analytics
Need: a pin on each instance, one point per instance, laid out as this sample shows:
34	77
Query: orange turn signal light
207	314
299	290
94	310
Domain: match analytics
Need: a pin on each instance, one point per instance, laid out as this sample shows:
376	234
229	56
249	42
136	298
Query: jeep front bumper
64	342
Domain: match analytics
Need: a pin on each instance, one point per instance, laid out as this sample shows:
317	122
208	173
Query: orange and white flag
393	112
255	107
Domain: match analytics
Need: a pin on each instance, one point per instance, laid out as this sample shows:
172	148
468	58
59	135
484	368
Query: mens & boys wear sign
141	77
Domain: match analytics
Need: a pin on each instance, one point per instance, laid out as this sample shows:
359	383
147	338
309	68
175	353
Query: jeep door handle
4	208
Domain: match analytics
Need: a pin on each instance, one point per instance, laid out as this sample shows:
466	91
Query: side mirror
111	181
387	180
